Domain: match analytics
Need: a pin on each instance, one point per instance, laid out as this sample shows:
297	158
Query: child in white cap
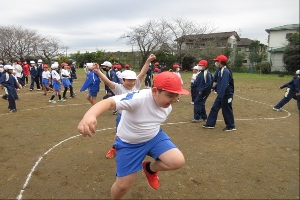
92	83
56	82
193	78
130	83
139	132
292	91
9	83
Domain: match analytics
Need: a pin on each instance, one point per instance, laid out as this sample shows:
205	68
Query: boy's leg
122	185
169	160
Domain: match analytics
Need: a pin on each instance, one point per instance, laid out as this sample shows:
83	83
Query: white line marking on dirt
170	123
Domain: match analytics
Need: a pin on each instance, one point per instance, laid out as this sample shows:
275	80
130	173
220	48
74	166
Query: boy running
139	133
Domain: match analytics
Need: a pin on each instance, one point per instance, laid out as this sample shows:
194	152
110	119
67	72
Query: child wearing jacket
92	83
292	91
202	85
9	83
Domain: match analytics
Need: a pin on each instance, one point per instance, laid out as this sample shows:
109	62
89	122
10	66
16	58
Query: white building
277	41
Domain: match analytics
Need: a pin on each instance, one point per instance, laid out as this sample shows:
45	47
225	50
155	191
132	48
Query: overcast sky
87	25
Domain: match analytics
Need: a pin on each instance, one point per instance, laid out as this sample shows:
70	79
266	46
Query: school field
42	155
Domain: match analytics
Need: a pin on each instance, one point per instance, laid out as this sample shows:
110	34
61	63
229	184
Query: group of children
14	77
201	87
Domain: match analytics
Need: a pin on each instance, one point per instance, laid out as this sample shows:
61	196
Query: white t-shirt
46	74
65	73
18	70
55	75
141	117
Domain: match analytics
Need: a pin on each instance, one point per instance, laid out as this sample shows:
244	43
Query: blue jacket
92	82
34	72
40	69
293	85
112	76
11	83
203	84
225	83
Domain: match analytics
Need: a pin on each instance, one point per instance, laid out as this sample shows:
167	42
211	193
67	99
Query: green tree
165	58
291	55
238	61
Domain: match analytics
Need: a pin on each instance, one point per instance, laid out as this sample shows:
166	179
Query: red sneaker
152	179
111	153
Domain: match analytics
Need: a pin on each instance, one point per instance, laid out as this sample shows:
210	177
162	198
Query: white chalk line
169	123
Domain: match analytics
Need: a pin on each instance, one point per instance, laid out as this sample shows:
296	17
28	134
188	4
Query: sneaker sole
208	127
230	130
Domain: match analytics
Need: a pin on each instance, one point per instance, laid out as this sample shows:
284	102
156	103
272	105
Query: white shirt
18	70
46	74
65	73
55	75
120	89
141	117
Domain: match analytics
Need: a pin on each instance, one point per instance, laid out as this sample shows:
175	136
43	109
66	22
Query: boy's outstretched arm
145	67
103	77
87	126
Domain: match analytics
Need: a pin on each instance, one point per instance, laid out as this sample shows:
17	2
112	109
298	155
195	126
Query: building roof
284	27
244	42
209	36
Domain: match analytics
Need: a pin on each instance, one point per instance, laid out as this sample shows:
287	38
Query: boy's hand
87	126
152	57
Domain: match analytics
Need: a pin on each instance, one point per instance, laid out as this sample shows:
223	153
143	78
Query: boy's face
164	98
129	83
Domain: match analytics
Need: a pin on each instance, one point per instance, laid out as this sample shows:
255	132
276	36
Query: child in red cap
141	135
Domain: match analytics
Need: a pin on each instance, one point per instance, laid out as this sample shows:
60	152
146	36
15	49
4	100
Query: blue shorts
56	85
92	94
45	82
66	82
129	157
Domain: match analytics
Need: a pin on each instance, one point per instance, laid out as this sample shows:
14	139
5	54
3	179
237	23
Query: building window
288	35
229	45
244	61
247	49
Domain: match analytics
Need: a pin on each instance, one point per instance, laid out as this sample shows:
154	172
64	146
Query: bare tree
147	37
22	43
186	36
177	35
48	48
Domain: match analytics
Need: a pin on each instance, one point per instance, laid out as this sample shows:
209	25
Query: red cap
203	63
175	66
63	64
221	58
45	66
170	82
126	65
156	63
156	69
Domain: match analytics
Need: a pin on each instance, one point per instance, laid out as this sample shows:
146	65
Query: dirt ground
42	155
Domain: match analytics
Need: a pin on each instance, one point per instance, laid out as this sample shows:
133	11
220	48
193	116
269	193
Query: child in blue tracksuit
9	83
92	83
292	91
202	84
225	90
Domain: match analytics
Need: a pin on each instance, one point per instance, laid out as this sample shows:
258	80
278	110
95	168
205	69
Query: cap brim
182	91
